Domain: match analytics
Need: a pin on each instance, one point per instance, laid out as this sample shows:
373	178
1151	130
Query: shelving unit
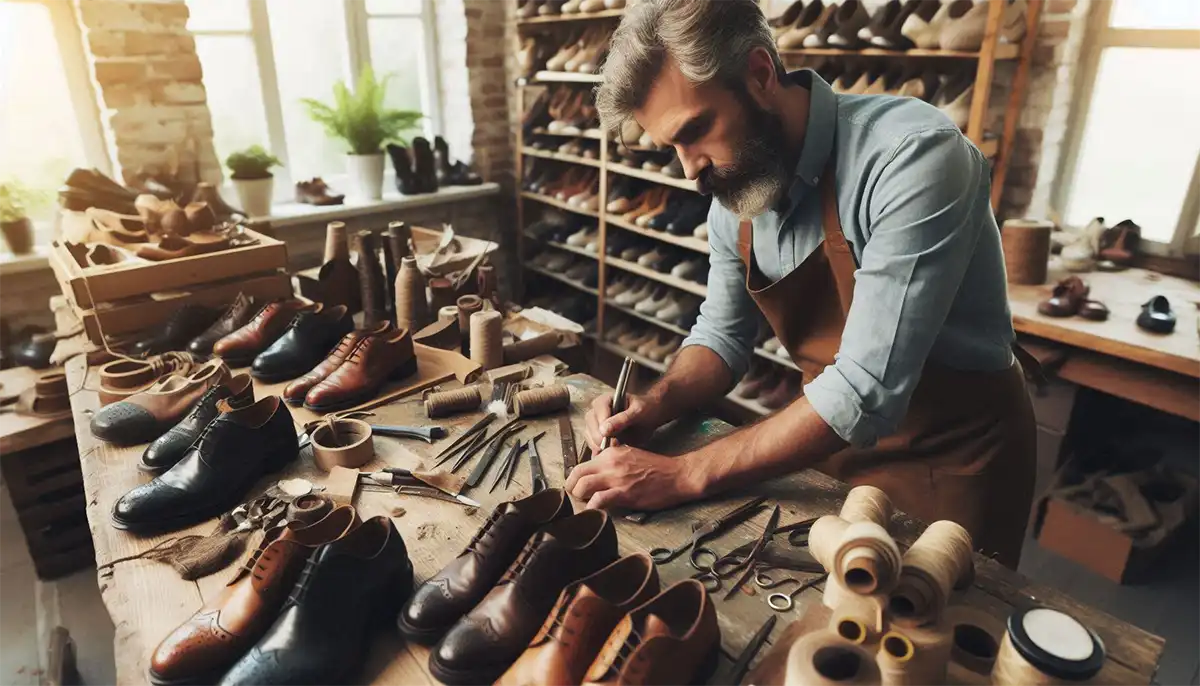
618	168
682	241
560	156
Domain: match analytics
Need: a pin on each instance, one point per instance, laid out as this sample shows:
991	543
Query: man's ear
761	80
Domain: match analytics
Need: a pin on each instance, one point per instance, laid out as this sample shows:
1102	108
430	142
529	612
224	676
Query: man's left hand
623	476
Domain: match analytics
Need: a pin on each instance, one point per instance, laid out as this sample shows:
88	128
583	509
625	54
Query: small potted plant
250	170
360	119
16	201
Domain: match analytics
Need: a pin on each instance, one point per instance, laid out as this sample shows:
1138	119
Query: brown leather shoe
201	649
147	415
672	639
582	619
241	347
123	379
1065	299
490	637
373	362
294	393
239	314
442	600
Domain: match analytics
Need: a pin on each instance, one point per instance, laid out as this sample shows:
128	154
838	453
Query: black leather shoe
348	591
33	349
1157	316
233	452
169	448
423	166
406	183
677	203
686	221
187	323
307	341
238	315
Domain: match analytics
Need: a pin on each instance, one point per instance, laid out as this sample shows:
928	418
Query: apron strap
745	236
841	259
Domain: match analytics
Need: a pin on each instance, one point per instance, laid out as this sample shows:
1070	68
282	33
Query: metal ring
699	552
710	583
784	605
662	555
733	562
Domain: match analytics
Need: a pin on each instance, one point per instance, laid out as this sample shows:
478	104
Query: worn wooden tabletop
147	599
21	431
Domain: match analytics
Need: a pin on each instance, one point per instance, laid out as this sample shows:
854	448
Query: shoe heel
405	370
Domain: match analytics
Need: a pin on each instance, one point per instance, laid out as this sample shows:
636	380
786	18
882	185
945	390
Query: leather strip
339	442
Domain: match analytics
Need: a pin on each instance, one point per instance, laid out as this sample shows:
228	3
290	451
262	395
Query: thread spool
974	643
530	348
486	282
539	401
487	349
412	305
467	306
867	504
1026	245
337	246
824	537
399	234
938	562
370	276
449	313
849	628
868	560
1044	646
447	403
390	269
822	658
913	657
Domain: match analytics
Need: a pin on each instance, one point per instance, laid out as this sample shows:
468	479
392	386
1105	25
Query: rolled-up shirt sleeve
727	322
924	224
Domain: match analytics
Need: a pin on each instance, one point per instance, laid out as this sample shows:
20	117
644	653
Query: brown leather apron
966	449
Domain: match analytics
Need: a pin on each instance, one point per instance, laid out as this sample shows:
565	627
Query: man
861	227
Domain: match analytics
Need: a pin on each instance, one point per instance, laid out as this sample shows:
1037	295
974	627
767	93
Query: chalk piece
341	484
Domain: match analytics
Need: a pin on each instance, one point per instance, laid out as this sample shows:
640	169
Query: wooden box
46	486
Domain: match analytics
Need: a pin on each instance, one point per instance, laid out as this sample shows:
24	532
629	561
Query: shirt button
816	179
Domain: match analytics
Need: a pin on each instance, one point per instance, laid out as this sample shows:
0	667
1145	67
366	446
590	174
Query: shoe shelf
563	279
656	177
784	361
643	361
566	77
560	156
1004	51
563	246
747	404
689	242
555	202
592	134
573	16
676	282
646	317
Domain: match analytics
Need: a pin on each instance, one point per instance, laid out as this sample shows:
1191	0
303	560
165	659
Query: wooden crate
46	486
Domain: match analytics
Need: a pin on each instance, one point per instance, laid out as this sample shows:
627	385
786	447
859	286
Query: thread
849	628
486	344
412	305
337	247
824	537
449	313
938	562
446	403
822	658
539	401
1026	245
399	236
867	504
370	273
467	306
441	292
913	658
860	556
1044	646
974	642
530	348
486	282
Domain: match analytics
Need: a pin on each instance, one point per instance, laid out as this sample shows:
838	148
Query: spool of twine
412	305
530	348
938	562
822	658
389	277
850	628
447	403
487	349
824	537
485	279
399	234
449	313
913	658
867	504
1044	646
467	306
374	293
975	637
441	292
337	246
867	561
539	401
1026	244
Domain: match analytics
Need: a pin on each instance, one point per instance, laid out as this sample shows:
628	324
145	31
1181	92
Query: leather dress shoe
169	448
582	619
307	340
241	347
672	639
402	162
123	379
372	363
239	313
423	165
205	646
35	350
1157	316
442	600
147	415
1066	298
294	392
490	637
185	324
349	589
232	452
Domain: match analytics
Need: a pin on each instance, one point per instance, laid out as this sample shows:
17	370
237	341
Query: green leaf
252	163
360	118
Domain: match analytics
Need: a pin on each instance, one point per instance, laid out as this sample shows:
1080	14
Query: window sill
20	264
293	214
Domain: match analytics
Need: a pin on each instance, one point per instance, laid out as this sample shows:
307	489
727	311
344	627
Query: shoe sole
236	362
198	680
403	372
452	677
425	637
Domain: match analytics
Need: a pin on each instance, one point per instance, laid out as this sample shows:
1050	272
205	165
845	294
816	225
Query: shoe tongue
655	626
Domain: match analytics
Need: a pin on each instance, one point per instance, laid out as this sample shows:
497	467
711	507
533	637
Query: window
48	122
260	57
1134	147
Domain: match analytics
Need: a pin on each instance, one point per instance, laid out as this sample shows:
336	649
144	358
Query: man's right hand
632	426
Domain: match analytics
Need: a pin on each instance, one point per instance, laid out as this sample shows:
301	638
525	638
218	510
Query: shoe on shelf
850	19
654	303
881	19
1012	22
701	232
966	22
674	309
580	237
782	23
578	271
559	261
635	294
652	259
669	347
922	86
784	393
634	339
1157	316
954	98
614	334
891	37
811	20
675	204
924	31
687	269
550	7
616	286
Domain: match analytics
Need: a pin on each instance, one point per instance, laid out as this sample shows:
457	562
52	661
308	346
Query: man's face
727	142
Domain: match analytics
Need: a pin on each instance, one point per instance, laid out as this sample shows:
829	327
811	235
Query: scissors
702	532
729	564
779	601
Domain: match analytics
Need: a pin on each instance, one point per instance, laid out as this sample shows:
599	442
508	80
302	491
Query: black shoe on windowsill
406	181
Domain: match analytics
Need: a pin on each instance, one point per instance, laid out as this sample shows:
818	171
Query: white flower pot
255	195
366	176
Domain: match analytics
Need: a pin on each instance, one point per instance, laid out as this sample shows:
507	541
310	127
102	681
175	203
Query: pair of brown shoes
362	363
1070	297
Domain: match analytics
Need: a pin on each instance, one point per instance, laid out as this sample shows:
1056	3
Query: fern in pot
250	171
16	202
360	119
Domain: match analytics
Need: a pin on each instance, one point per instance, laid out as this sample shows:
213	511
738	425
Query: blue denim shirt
914	199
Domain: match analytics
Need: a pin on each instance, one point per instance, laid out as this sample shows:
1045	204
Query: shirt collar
822	125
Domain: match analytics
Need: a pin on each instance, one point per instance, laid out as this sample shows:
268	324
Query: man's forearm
696	377
788	441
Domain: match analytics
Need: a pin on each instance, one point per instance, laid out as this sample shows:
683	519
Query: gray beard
760	175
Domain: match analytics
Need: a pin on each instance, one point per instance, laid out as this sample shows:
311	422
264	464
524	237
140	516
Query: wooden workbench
147	599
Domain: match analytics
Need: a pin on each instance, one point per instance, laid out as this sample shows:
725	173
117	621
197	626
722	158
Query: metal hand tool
782	602
742	664
435	494
731	563
704	531
513	453
501	433
537	476
618	401
463	439
794	556
512	467
486	461
566	435
426	433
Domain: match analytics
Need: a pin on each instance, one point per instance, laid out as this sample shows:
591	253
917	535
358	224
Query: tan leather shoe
201	649
584	616
148	415
295	391
241	347
671	639
122	379
373	362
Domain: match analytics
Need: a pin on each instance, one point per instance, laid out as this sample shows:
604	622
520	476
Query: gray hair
709	40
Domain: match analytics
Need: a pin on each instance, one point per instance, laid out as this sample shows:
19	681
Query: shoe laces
624	653
558	621
476	544
522	562
204	400
302	584
359	349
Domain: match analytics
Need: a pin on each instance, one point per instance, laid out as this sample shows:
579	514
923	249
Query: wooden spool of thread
974	642
530	348
449	313
822	658
867	504
370	275
487	348
938	562
1044	646
1026	244
412	304
467	306
446	403
860	555
399	234
337	246
539	401
913	658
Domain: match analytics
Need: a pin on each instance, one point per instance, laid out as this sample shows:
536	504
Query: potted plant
252	179
360	119
16	201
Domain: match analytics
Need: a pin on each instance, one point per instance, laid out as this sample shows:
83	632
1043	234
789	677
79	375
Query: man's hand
632	426
633	478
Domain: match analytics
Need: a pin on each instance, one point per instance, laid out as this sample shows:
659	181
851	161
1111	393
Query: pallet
46	486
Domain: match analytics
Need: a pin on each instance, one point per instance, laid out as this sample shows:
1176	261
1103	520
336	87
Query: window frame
1100	36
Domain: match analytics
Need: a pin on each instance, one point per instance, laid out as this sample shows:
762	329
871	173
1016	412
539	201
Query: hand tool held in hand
703	531
618	401
425	433
566	435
